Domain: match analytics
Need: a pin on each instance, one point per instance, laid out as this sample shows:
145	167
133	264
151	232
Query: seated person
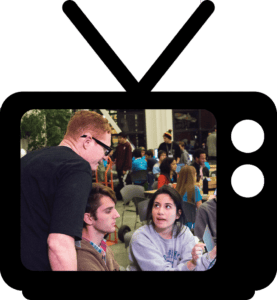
199	157
150	160
165	243
153	154
184	154
106	159
101	170
206	215
168	174
187	189
99	219
156	167
138	163
150	164
142	149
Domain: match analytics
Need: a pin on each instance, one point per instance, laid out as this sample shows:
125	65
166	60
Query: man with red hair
55	185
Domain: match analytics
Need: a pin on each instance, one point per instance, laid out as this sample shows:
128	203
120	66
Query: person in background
205	148
211	144
123	160
150	160
206	215
187	189
156	167
165	243
55	185
184	154
106	161
150	164
138	163
199	164
142	149
168	174
171	148
188	146
100	216
153	154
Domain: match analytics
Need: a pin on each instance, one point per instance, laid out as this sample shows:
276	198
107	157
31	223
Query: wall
158	121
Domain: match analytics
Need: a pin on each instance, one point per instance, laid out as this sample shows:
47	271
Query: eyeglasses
108	149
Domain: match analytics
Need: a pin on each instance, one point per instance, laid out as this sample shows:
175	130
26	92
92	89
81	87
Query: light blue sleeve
156	169
198	196
207	165
105	163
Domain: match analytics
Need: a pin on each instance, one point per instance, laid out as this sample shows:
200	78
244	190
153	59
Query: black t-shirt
172	148
55	185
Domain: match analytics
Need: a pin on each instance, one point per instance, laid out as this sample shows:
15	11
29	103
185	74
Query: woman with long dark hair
168	172
165	243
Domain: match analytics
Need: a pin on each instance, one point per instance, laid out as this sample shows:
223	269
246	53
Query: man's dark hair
160	153
149	153
97	192
123	134
136	153
198	152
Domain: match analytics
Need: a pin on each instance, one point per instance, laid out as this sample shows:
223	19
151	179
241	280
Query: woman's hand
197	251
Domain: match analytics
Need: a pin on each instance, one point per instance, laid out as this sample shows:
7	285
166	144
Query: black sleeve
71	197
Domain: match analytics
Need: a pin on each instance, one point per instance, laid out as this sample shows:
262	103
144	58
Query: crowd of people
64	216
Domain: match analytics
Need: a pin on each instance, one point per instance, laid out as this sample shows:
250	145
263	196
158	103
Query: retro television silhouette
229	108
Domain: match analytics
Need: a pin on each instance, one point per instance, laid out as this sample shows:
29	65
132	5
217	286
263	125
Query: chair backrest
127	238
139	175
137	200
142	209
155	185
128	192
189	210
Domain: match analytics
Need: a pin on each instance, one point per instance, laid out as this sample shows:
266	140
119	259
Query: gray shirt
148	251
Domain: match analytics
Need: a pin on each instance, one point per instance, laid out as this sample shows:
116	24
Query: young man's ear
88	219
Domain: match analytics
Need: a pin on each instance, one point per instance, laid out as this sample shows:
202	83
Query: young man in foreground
99	219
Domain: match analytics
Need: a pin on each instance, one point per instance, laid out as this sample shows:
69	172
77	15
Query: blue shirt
198	197
138	165
207	165
156	168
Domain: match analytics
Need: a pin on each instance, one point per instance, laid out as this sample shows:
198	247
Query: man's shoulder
127	144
